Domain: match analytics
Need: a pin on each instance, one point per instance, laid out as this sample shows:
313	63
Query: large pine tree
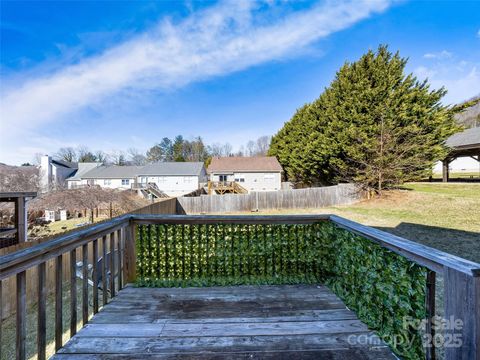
373	125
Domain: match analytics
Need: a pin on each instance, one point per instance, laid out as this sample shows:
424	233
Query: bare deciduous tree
19	178
136	157
66	154
262	145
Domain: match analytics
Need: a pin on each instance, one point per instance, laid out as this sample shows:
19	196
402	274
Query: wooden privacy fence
399	272
165	206
285	199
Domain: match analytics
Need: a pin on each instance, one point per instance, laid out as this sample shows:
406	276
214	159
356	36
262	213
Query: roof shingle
467	138
245	164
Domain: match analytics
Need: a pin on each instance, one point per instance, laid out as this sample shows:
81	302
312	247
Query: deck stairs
225	187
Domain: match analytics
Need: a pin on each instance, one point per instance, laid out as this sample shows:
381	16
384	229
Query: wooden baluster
21	315
104	270
73	292
41	319
95	276
58	303
85	284
119	258
112	264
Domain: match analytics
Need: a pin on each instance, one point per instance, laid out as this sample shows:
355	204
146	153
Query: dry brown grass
444	216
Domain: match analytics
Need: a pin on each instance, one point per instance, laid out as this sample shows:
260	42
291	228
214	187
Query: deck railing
385	278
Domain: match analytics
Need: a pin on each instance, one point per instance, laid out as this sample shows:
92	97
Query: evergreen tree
166	146
178	148
373	125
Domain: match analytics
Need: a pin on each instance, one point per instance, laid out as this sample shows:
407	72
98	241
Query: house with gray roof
158	179
173	178
53	173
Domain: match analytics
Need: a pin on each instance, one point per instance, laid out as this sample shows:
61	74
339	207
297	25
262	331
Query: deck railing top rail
426	256
19	261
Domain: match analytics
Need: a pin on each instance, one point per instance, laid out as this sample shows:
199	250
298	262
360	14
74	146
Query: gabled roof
66	164
157	169
83	168
112	172
467	139
245	164
172	168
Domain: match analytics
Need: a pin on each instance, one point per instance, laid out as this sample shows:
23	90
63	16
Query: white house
53	173
174	178
170	178
75	180
260	173
107	176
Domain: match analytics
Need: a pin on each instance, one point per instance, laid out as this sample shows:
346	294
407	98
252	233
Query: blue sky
115	75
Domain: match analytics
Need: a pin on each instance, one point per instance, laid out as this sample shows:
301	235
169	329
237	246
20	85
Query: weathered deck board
254	322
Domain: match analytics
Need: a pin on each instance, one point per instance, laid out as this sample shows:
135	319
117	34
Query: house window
125	181
143	180
162	179
222	177
239	178
107	182
187	179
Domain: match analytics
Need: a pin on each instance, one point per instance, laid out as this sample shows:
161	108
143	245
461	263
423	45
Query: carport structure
463	144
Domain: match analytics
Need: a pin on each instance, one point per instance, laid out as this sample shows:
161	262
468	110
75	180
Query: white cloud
444	54
221	39
478	33
460	78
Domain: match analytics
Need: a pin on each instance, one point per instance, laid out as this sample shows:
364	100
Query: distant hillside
469	115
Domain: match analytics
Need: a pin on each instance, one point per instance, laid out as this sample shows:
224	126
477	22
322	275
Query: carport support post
21	219
445	170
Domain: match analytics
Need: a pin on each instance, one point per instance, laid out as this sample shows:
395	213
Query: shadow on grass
465	244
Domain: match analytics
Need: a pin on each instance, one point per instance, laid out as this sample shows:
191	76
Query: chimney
45	173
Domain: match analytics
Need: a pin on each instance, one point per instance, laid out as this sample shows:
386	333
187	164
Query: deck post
462	313
130	254
21	219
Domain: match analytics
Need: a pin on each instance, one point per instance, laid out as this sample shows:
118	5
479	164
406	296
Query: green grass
458	175
59	227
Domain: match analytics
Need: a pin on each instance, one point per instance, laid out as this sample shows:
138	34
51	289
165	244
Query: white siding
254	181
114	183
173	185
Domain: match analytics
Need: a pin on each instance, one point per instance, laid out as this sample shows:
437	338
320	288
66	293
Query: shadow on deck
240	322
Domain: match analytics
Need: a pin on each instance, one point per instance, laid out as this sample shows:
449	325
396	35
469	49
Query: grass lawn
459	175
59	227
443	216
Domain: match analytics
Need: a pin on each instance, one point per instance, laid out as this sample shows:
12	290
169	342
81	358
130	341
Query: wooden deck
241	322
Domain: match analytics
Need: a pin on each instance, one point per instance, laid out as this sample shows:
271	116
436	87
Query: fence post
462	311
130	253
